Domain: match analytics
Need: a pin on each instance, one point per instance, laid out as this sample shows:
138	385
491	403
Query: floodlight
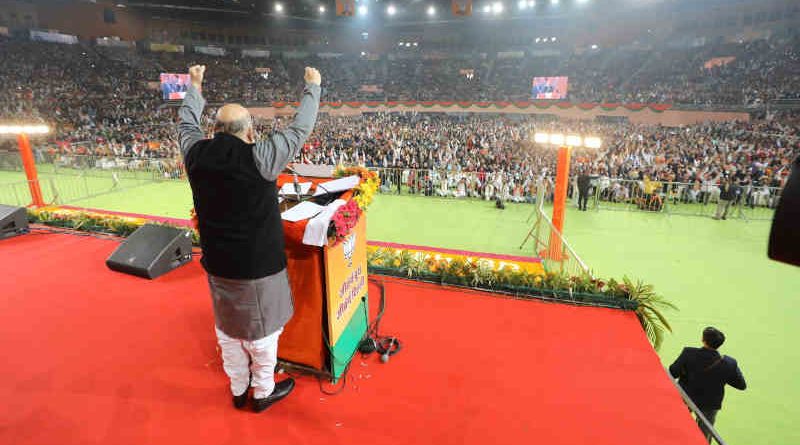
278	7
362	10
391	10
592	142
24	129
541	138
431	11
557	139
322	9
497	7
574	141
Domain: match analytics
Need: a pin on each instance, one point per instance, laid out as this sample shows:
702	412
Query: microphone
296	186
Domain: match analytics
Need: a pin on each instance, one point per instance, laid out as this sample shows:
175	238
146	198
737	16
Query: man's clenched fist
196	74
312	76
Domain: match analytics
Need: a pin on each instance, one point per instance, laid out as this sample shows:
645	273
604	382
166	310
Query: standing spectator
703	373
726	196
584	183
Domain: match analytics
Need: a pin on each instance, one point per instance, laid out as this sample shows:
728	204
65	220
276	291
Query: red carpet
91	356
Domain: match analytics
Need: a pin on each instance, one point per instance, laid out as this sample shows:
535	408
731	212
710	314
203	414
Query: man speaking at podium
233	179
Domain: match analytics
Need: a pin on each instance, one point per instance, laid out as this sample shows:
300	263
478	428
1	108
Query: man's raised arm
272	154
189	131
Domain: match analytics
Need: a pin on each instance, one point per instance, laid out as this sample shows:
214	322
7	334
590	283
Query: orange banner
346	7
718	61
462	8
345	279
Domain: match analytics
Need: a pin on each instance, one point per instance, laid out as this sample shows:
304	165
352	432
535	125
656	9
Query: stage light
531	4
592	142
431	11
541	138
416	43
322	9
557	139
523	4
362	10
574	141
487	9
594	46
278	7
538	40
26	129
408	44
391	10
553	2
497	7
582	1
399	43
363	53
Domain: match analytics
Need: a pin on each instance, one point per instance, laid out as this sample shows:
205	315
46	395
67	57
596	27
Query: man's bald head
235	120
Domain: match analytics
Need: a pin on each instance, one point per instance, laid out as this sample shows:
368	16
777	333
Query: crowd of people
468	155
106	102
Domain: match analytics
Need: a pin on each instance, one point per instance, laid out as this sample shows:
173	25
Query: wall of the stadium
16	14
669	118
86	20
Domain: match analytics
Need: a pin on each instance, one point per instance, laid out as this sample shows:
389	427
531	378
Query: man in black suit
703	373
784	239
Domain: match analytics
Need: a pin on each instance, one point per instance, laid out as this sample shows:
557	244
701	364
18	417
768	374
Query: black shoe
241	400
281	390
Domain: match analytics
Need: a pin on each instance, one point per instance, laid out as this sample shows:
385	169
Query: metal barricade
556	254
675	198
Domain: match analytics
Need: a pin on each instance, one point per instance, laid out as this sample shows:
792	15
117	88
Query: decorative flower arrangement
366	189
93	222
478	273
343	221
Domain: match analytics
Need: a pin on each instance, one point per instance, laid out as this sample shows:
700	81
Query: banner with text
259	53
210	50
345	279
166	48
54	37
114	42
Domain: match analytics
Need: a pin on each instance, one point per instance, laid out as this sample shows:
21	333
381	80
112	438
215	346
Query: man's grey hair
237	126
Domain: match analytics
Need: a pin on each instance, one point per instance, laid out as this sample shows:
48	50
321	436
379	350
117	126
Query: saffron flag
346	7
462	8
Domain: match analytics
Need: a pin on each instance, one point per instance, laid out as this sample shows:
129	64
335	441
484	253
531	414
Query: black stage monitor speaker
152	251
13	221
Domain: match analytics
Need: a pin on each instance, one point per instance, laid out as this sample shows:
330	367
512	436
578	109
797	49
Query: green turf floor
715	271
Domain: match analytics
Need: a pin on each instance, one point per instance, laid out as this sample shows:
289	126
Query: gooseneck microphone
296	185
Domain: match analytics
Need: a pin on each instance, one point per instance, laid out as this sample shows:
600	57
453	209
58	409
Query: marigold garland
366	189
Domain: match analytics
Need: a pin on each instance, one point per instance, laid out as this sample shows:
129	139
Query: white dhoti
245	358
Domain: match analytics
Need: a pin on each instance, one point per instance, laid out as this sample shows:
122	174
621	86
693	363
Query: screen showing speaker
174	86
549	88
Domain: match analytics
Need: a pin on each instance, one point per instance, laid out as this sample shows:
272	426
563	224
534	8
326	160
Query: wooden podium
329	286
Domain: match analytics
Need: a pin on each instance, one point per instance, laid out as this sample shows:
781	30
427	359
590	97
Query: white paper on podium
304	210
337	185
316	233
288	188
